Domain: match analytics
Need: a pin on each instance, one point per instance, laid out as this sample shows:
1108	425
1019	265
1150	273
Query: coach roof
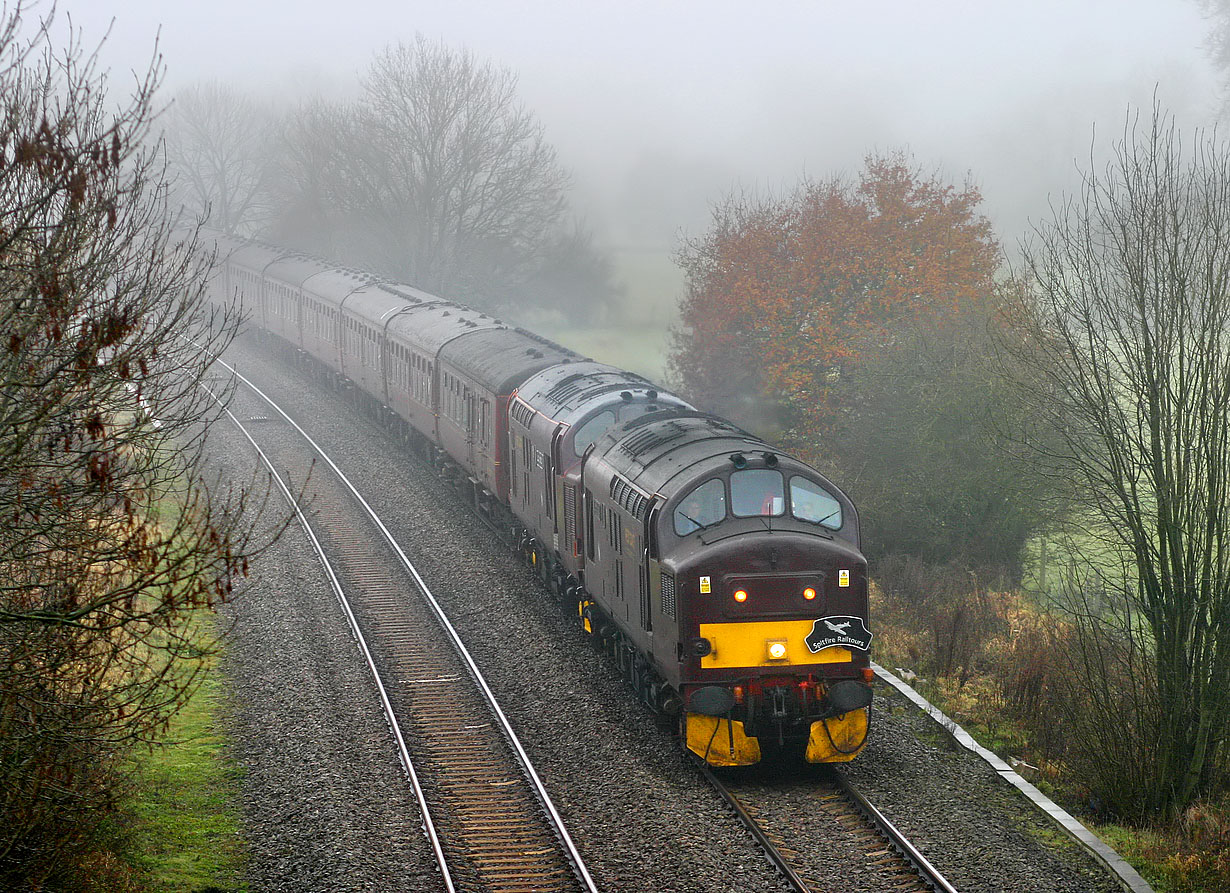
501	359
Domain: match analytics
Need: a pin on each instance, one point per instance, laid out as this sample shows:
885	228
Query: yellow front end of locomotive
720	742
749	644
837	739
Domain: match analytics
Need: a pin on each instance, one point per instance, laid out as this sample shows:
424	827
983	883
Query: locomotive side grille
668	595
624	494
522	413
570	517
638	506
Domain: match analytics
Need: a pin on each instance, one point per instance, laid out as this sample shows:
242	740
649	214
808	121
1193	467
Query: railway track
490	821
878	856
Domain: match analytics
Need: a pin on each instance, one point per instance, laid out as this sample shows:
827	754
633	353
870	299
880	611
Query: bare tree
1126	339
440	177
218	143
312	185
110	534
460	174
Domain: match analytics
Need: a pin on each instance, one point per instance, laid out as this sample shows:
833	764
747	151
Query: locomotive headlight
740	595
809	593
777	650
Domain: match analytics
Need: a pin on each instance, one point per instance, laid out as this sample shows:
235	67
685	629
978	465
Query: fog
658	109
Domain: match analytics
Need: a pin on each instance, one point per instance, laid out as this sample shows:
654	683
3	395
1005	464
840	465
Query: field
636	333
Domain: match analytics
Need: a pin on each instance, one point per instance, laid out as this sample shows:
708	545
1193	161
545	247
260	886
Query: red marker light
740	595
809	593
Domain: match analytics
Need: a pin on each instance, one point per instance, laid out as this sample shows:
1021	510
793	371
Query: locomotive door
661	594
555	487
649	574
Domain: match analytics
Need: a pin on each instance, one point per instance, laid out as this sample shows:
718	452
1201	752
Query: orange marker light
809	593
740	595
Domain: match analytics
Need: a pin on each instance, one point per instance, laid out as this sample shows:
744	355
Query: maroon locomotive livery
724	576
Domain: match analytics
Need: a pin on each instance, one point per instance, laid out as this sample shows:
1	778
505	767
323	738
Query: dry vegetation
110	534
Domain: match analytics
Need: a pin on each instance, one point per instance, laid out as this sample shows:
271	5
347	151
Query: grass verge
1189	855
184	825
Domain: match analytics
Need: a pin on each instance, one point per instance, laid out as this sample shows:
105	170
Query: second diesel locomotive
724	576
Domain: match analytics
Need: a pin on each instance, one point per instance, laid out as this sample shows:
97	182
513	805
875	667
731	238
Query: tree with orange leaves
785	296
850	322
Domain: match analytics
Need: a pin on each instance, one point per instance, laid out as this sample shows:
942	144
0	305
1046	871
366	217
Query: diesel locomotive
724	576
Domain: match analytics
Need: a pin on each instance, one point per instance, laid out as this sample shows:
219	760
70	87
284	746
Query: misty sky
660	107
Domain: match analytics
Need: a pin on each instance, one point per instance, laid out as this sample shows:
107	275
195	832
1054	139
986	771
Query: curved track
488	817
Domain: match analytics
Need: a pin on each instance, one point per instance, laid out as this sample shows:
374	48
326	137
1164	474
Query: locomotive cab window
703	507
757	491
589	432
809	502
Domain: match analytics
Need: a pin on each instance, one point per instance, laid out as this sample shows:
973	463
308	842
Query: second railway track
496	827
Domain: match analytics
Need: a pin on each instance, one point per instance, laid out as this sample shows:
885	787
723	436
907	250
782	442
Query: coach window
703	507
809	502
757	491
592	430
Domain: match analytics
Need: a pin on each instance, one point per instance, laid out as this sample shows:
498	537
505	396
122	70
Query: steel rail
556	821
429	826
927	873
775	856
922	865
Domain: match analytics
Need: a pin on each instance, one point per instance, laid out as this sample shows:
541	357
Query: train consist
725	577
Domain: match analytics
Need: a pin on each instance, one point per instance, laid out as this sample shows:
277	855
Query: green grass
1160	860
1194	858
185	825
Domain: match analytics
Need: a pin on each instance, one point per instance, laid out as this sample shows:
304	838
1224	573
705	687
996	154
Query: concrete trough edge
1117	865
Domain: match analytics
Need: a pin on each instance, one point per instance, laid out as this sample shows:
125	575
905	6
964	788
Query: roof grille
566	388
635	444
